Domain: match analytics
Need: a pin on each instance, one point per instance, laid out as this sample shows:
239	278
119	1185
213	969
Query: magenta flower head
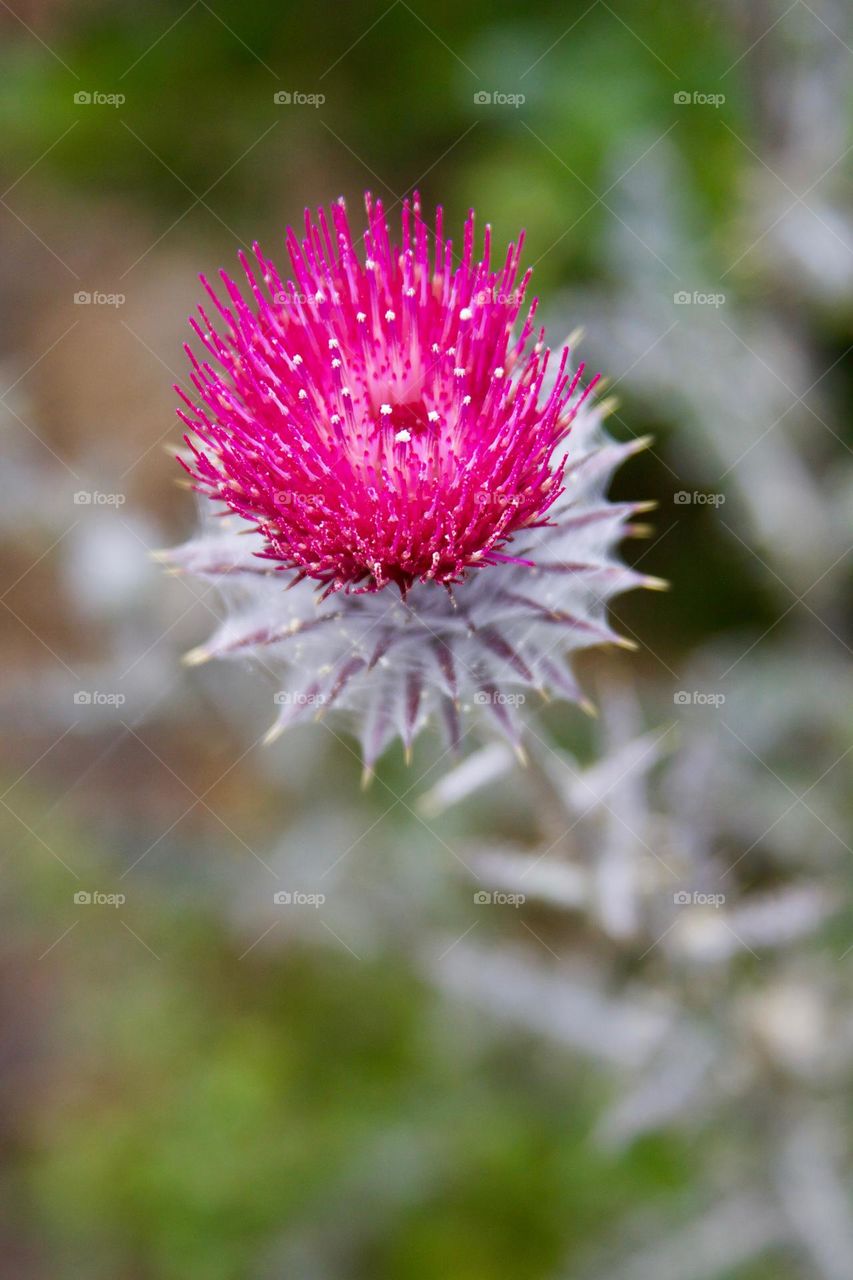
410	484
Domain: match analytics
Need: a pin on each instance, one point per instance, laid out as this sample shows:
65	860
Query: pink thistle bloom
376	422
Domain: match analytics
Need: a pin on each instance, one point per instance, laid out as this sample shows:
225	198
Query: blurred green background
190	1091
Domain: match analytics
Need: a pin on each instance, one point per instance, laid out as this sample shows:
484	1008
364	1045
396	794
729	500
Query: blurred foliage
198	1109
199	89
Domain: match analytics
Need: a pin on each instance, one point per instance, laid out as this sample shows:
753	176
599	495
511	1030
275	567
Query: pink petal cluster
373	417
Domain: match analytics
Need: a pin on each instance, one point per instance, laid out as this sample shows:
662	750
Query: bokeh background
643	1069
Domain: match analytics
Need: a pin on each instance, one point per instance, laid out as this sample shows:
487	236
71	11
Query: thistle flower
410	499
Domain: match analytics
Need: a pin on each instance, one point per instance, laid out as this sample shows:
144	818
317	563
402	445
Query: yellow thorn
521	755
642	442
651	583
609	405
574	337
588	708
196	657
544	695
639	530
367	776
622	642
407	754
651	504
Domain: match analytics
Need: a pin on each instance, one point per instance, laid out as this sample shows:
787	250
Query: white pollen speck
466	313
303	394
499	372
333	342
435	348
336	417
390	315
403	437
297	359
433	415
410	292
369	264
385	409
336	364
459	373
466	399
360	317
319	296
